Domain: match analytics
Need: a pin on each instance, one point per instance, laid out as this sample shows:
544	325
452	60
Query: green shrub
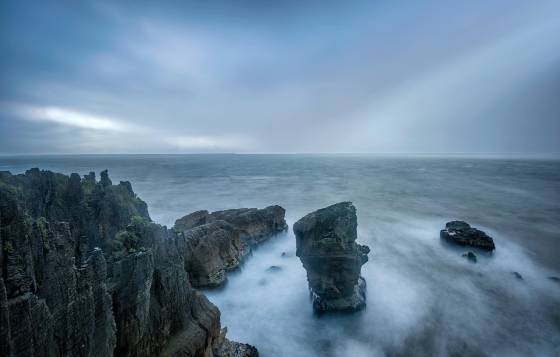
8	247
128	241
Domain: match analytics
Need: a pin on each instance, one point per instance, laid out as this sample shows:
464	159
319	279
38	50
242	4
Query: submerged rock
273	268
517	275
470	256
461	233
325	244
554	278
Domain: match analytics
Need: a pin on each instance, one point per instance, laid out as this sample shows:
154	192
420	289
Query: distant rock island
461	233
85	272
326	245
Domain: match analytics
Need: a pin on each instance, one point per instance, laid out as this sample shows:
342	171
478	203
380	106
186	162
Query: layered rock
85	272
326	245
254	225
210	250
214	243
461	233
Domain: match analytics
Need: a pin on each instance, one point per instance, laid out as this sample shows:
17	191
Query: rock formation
214	243
254	225
326	245
461	233
85	272
470	256
209	251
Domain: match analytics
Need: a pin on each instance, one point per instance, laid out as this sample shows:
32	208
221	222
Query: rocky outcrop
470	256
461	233
214	243
326	245
209	251
85	272
254	225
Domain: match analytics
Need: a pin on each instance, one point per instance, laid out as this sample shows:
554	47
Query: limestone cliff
85	272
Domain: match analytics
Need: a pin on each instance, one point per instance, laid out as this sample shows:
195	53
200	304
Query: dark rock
554	278
235	349
209	251
517	275
86	273
470	256
273	268
461	233
325	241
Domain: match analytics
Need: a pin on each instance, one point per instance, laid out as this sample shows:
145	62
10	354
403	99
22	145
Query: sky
478	76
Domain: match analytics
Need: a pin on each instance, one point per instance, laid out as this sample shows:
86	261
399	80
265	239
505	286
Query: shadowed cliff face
86	272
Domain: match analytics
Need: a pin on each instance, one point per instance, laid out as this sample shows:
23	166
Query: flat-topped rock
254	225
461	233
326	245
195	219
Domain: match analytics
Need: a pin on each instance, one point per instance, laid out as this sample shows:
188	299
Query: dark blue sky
280	76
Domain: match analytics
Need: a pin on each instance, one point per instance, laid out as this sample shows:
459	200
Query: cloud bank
105	77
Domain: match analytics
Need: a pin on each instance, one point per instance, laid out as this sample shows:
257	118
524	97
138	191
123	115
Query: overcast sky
280	76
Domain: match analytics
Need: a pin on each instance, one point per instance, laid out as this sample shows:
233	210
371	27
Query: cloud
106	133
280	78
206	142
68	117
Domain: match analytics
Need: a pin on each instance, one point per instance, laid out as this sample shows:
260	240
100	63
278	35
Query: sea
423	297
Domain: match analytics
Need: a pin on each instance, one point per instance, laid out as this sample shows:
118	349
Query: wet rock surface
326	245
86	273
461	233
273	268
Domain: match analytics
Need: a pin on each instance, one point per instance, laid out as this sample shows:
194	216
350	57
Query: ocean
423	297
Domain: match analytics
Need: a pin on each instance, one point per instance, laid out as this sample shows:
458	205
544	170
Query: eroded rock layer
214	243
254	225
210	250
326	245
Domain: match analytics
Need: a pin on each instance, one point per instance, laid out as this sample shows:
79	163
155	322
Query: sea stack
326	245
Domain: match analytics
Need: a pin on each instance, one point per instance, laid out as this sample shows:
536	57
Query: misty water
423	297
